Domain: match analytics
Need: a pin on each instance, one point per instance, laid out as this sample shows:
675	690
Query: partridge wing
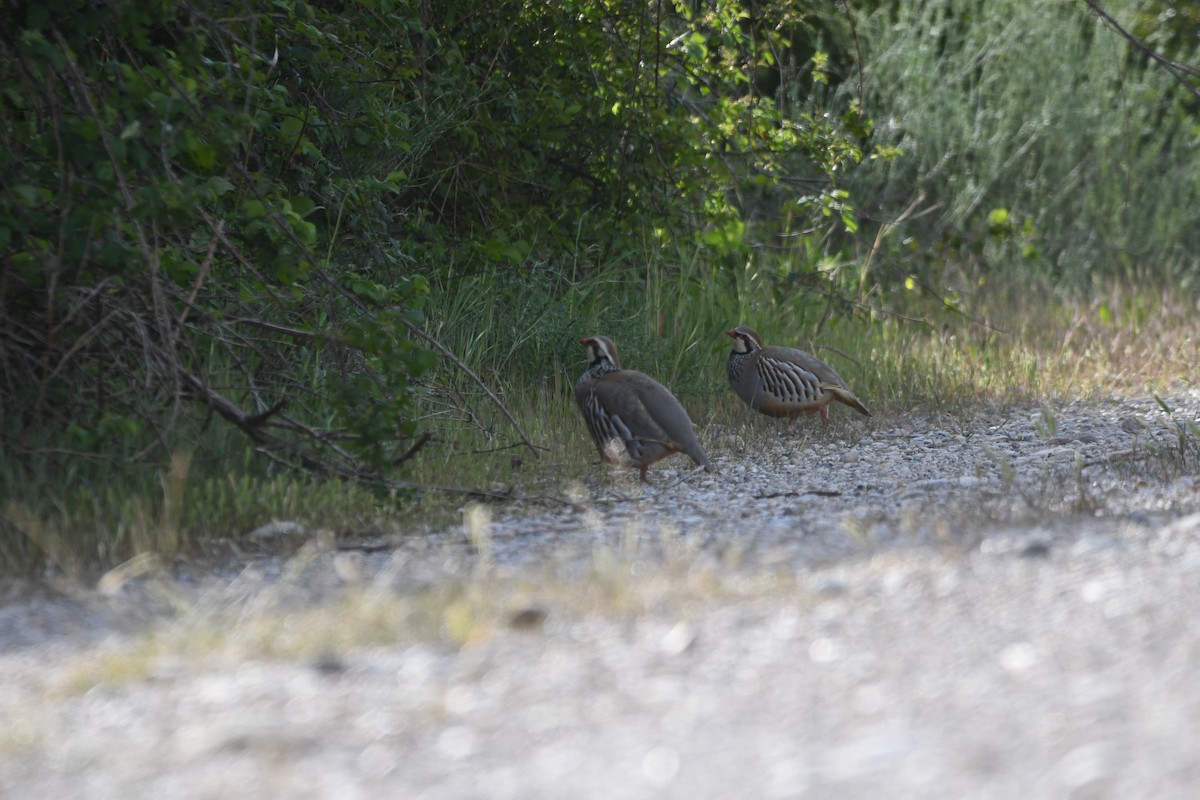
824	373
623	398
786	381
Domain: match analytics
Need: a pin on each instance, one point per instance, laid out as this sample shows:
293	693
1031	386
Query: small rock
1140	517
678	640
829	587
329	664
1036	549
528	619
277	528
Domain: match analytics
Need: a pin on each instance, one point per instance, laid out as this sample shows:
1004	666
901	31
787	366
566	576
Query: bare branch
441	348
1177	70
421	441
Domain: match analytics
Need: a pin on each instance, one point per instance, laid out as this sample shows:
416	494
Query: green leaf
218	185
202	154
302	205
306	232
291	127
26	195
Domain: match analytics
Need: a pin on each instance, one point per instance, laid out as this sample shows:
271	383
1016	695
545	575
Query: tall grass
1041	110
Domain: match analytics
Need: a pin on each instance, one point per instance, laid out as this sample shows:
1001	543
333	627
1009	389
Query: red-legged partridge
633	418
782	381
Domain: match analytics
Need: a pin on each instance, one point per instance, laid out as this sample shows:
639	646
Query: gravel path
946	607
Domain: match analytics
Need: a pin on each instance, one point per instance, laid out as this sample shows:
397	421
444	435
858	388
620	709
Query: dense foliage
238	207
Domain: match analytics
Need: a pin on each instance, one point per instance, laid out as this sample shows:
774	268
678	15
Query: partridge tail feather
700	457
844	396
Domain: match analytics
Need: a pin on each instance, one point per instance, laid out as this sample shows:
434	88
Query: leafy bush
161	225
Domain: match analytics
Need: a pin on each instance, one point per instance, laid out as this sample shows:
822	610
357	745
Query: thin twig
1176	69
491	450
205	265
857	50
441	348
421	441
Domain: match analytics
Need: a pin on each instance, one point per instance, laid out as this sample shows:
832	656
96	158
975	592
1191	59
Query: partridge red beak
731	334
